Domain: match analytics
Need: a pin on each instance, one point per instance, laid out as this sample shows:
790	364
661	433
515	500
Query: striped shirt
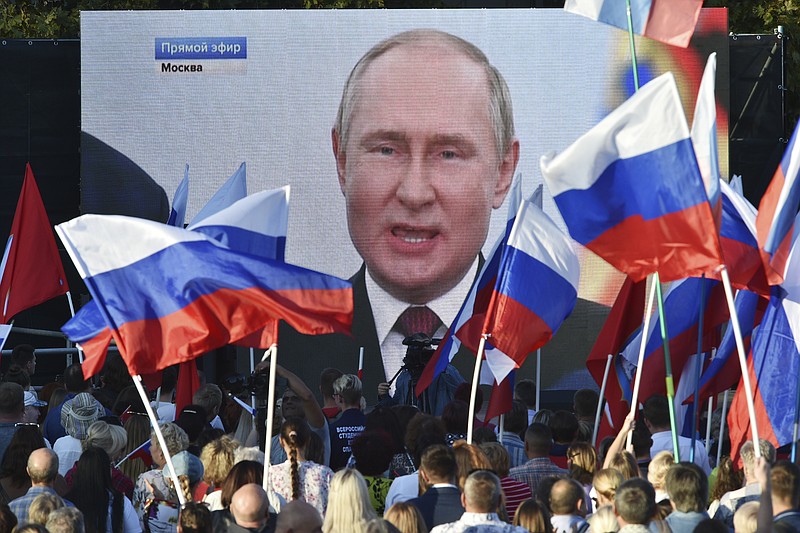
515	492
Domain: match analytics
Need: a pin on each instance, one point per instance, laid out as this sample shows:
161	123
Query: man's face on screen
420	172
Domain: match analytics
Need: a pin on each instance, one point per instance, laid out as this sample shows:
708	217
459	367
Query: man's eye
449	154
386	150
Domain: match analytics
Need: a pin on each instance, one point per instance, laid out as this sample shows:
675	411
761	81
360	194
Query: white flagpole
252	369
476	376
72	314
538	377
137	381
502	423
722	426
273	371
645	331
737	334
600	401
708	422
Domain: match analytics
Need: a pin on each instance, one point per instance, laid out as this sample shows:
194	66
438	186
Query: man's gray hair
482	491
500	109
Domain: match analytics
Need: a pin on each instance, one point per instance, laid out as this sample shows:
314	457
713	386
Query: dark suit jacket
308	355
439	506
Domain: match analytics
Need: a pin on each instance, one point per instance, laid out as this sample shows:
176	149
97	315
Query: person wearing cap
77	415
12	406
32	404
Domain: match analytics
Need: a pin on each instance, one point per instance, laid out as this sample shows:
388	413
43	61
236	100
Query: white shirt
386	309
663	441
165	411
68	449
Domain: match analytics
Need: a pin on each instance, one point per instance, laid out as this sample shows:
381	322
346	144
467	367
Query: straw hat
79	413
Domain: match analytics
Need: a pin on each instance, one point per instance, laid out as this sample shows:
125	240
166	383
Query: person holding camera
434	398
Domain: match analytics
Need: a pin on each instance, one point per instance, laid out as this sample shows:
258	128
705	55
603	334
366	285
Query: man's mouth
414	235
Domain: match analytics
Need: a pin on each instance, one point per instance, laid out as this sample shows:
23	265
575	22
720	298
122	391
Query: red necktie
417	319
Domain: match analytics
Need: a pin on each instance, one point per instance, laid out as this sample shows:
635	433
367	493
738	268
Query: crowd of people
73	460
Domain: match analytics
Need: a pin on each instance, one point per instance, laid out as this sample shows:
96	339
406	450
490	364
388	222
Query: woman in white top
296	478
104	509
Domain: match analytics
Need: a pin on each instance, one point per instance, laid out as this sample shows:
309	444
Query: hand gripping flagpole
137	381
476	376
737	334
640	362
600	400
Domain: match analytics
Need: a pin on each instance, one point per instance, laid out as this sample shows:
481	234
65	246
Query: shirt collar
445	306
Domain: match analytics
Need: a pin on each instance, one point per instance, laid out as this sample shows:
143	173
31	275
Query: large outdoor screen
161	90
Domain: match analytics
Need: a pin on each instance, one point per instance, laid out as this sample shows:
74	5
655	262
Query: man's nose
416	188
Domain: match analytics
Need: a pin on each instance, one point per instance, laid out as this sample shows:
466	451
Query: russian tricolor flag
682	311
739	245
256	224
537	286
630	189
169	295
723	372
704	134
668	21
777	213
773	366
466	326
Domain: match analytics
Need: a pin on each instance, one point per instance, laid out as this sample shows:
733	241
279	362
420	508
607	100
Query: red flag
94	353
187	385
621	326
32	272
501	398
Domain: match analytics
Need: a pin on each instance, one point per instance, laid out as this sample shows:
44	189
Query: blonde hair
349	506
625	463
137	429
175	438
606	482
406	517
533	516
42	505
584	461
745	520
218	457
112	439
659	466
604	520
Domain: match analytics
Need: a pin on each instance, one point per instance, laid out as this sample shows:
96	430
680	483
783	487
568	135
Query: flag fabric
177	214
723	372
187	384
537	286
773	366
682	311
739	244
31	268
470	315
704	135
169	295
233	190
501	397
775	222
622	324
256	224
630	189
668	21
5	331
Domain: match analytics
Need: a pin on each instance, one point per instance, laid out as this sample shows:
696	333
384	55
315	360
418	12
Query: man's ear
463	501
425	477
339	154
508	165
